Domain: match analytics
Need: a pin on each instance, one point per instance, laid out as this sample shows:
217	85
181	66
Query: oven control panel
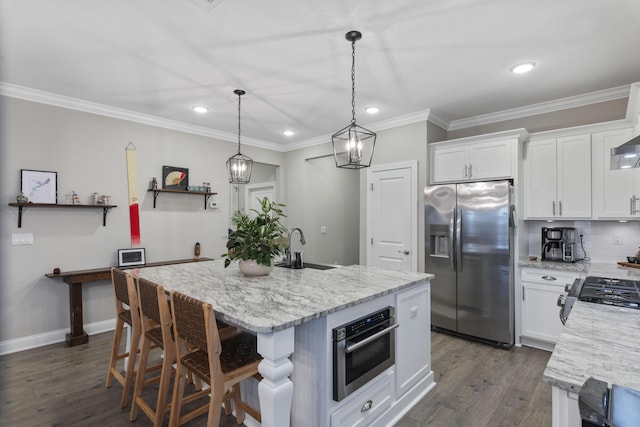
362	324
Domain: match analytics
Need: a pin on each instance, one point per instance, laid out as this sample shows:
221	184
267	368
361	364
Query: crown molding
42	97
543	107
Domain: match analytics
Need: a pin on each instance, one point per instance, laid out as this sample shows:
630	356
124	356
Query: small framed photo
175	178
39	186
131	257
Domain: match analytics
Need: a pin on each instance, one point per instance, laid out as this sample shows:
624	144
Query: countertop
282	299
598	341
585	269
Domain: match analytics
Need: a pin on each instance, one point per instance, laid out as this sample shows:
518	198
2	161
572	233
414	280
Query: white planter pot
252	268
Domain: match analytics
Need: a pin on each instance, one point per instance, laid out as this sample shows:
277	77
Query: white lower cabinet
541	325
365	407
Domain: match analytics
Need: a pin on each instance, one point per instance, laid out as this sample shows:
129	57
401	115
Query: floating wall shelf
20	206
157	191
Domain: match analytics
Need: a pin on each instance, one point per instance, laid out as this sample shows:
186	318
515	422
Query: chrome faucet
287	251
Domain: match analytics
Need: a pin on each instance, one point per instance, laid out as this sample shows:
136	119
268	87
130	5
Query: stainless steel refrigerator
469	239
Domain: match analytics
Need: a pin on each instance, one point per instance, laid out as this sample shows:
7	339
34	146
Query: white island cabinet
293	313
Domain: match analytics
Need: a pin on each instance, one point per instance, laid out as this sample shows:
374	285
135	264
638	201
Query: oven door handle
354	347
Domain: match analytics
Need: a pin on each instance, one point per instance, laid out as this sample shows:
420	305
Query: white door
256	192
392	216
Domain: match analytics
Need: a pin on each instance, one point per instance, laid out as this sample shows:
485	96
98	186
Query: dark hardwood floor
477	385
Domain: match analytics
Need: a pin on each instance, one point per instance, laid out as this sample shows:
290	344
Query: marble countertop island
290	311
284	298
598	341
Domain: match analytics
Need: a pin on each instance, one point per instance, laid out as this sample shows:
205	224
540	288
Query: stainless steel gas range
600	290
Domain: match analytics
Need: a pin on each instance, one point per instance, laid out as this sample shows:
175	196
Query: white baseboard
52	337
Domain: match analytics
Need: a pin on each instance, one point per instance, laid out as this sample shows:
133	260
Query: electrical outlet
213	205
323	230
22	239
617	239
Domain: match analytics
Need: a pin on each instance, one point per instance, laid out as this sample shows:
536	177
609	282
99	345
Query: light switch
22	239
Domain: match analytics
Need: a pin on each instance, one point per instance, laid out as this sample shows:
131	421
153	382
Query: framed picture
39	186
175	178
130	257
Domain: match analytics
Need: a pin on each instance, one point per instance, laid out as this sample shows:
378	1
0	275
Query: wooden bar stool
222	365
127	313
155	320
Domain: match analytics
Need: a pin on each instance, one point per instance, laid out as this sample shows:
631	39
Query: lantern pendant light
353	145
239	166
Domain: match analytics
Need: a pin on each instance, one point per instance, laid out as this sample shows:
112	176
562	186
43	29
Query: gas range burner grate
618	292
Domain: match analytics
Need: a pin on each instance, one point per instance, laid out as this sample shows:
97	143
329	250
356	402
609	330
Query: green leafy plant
261	237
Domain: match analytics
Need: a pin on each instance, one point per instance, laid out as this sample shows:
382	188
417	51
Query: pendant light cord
239	98
353	82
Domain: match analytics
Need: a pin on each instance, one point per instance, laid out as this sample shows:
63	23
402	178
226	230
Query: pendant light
239	166
353	145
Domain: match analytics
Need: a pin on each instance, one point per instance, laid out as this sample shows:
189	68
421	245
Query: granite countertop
284	298
598	341
612	270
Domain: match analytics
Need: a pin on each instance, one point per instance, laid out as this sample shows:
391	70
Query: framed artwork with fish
39	186
175	178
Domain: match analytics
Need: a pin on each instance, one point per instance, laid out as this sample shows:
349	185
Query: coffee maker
559	244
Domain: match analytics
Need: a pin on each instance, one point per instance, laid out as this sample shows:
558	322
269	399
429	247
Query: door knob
405	252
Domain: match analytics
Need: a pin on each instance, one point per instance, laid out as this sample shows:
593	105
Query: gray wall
321	195
88	153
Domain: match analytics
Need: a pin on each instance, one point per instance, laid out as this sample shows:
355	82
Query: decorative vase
250	267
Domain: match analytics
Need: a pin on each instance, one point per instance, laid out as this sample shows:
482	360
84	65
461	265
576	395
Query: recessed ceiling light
525	67
200	109
288	133
372	110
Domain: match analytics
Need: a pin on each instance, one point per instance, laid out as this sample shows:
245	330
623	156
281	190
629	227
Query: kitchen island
293	313
597	341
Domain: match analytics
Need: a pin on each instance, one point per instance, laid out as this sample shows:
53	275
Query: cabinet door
574	177
413	342
540	312
490	160
613	190
540	179
448	164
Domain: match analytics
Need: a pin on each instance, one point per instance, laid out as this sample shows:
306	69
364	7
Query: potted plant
256	240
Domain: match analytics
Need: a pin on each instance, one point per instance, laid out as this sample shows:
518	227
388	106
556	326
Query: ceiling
452	57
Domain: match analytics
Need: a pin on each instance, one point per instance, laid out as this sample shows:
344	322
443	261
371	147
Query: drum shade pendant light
239	166
353	145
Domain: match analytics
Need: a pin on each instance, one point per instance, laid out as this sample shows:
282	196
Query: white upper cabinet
557	180
615	192
492	156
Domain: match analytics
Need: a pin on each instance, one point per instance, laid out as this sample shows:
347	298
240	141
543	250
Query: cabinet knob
405	252
367	405
547	277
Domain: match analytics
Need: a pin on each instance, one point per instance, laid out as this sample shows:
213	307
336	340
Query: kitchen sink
308	265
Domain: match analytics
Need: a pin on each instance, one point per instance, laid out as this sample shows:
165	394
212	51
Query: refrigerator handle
452	239
459	240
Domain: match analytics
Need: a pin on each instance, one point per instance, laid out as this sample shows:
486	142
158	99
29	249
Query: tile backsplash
598	238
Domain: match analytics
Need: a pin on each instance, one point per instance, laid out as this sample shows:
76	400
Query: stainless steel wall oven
362	349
